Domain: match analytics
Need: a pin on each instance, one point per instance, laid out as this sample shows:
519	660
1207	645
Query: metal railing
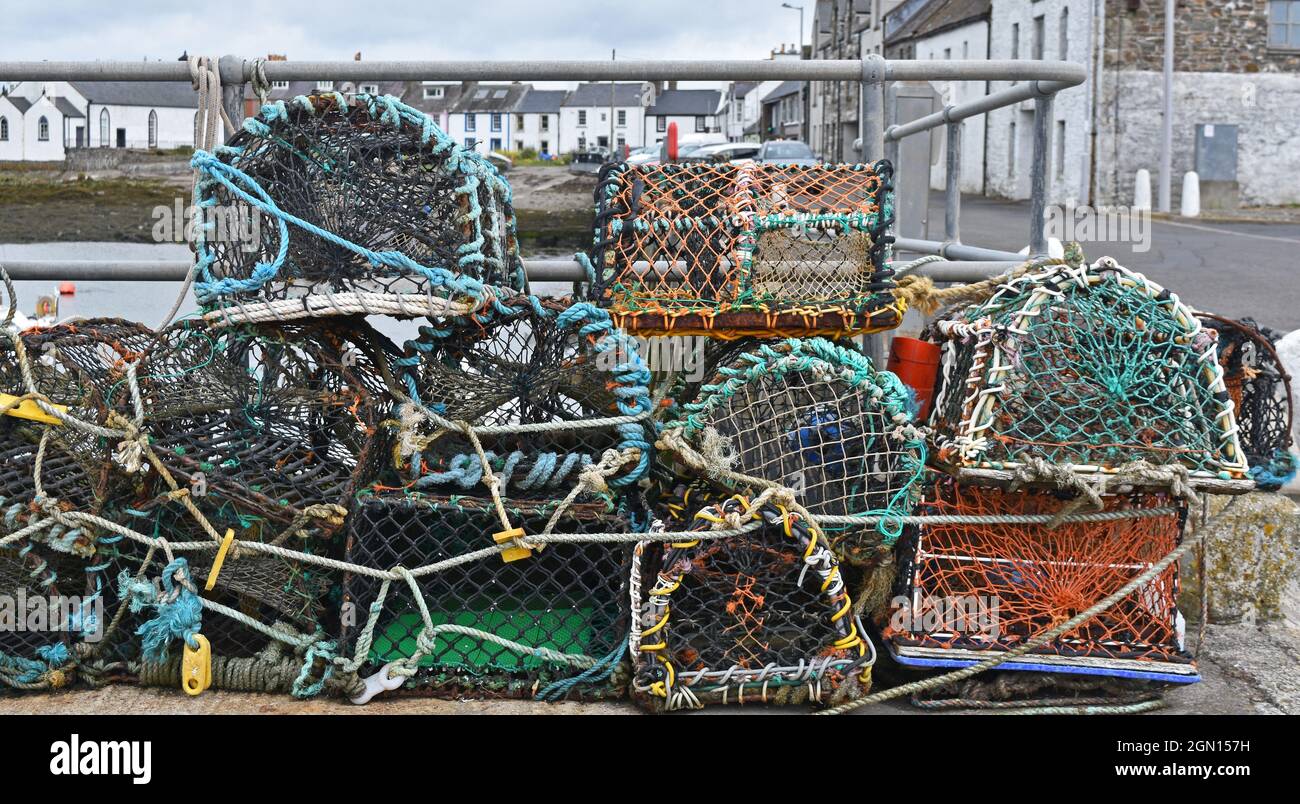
1039	81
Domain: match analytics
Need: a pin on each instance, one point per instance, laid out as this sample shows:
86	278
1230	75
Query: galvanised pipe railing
1040	81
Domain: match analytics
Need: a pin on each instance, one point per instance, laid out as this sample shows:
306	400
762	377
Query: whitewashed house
585	116
434	98
695	111
944	30
52	116
736	112
482	117
537	120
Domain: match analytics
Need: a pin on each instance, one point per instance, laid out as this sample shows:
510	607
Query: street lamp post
800	10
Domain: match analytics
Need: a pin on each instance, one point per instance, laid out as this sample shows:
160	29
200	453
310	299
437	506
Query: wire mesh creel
1091	367
729	251
324	198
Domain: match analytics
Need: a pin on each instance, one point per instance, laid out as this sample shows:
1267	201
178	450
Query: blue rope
596	673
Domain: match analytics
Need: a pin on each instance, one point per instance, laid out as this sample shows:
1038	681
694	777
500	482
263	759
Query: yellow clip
28	409
511	553
196	666
219	560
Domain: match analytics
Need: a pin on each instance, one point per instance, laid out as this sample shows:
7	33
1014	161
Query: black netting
570	599
420	213
763	615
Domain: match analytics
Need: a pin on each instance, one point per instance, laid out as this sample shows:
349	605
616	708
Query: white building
946	30
537	121
587	114
735	110
1041	29
481	119
42	119
695	111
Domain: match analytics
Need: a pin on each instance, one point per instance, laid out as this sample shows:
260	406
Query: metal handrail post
952	187
231	69
871	122
1040	175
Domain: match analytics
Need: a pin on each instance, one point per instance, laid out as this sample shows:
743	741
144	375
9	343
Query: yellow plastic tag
28	409
196	666
514	552
219	560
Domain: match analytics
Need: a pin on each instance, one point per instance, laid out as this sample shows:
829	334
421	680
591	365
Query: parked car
786	152
502	162
645	155
723	152
589	161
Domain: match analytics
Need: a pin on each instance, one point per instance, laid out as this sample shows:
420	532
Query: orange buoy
916	363
67	289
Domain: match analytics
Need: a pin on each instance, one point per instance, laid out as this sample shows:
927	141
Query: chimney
357	57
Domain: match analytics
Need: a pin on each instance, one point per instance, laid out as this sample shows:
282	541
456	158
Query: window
582	143
519	122
471	121
495	121
500	93
4	129
1060	149
1063	36
369	89
432	92
470	142
947	54
1015	40
153	129
603	117
546	122
1036	43
104	128
661	123
699	123
325	86
582	117
622	141
481	94
546	146
495	143
43	130
279	85
1284	24
622	117
965	50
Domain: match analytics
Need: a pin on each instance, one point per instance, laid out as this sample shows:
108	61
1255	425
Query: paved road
1234	269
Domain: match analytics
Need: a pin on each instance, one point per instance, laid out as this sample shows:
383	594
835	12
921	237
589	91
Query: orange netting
992	587
730	251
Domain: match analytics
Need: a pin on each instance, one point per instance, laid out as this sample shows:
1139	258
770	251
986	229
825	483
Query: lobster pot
538	381
763	616
322	206
729	251
82	367
1260	389
819	419
277	458
968	592
495	628
1093	367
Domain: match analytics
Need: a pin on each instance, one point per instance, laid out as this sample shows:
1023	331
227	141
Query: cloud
400	29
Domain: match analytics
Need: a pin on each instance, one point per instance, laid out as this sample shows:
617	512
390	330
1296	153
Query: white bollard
1191	206
1142	190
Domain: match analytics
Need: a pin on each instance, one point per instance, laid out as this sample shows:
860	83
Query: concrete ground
1245	670
1234	269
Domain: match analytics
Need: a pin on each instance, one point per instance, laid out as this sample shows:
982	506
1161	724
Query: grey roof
414	96
22	103
938	16
497	97
740	89
598	95
686	102
67	108
782	90
541	101
177	94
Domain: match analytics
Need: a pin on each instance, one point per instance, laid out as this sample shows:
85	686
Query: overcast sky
397	29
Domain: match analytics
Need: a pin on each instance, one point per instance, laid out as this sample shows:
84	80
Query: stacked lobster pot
787	460
1079	409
